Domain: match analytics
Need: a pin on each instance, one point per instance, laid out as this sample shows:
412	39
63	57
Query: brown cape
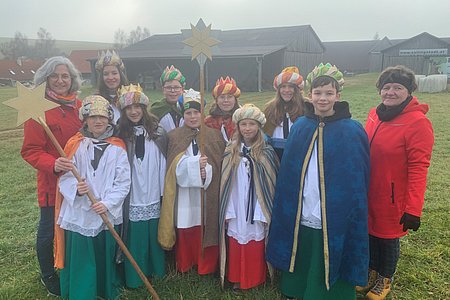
214	146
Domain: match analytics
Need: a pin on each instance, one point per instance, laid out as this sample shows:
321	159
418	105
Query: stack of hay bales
431	83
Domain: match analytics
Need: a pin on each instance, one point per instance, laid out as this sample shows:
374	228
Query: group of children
217	194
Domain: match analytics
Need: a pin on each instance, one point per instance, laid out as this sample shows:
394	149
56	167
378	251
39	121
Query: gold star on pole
30	103
201	41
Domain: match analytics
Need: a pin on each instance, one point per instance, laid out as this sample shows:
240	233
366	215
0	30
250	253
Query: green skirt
146	251
307	282
89	267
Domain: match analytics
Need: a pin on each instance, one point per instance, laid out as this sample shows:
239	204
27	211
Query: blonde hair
257	146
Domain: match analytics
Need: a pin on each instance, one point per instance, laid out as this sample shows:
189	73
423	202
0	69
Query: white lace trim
144	213
86	231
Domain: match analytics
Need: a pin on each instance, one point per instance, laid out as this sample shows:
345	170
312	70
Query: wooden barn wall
375	62
272	66
304	61
306	41
416	63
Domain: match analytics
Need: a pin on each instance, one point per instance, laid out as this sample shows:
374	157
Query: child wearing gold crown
192	169
226	94
111	76
247	188
85	249
282	111
146	146
318	235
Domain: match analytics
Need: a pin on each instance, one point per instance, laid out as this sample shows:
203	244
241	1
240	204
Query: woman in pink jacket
401	141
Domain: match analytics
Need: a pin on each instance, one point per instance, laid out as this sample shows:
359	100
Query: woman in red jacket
62	83
401	140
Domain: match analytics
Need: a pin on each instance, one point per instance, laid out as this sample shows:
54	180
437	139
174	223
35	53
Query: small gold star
201	41
30	103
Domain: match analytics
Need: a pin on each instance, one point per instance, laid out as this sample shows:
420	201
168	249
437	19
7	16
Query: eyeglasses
172	88
64	77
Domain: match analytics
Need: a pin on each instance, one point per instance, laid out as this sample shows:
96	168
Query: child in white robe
89	270
146	146
247	185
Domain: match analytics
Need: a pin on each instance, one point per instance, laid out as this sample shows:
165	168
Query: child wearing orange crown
146	146
192	169
226	95
282	111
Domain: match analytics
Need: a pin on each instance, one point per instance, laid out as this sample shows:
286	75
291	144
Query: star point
30	103
200	41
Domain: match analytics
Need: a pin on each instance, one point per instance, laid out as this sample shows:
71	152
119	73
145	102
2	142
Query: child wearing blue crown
318	235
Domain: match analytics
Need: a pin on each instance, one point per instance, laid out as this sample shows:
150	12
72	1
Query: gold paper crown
129	89
109	58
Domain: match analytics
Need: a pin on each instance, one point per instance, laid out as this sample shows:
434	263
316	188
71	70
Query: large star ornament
30	103
200	41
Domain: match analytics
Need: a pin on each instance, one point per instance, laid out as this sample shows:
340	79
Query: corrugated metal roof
241	42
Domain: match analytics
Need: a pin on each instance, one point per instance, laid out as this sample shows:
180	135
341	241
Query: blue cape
343	158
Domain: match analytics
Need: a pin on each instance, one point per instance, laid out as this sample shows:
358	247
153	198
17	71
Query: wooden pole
202	149
103	216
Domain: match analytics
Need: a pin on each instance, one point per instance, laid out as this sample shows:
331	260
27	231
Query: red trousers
188	252
246	263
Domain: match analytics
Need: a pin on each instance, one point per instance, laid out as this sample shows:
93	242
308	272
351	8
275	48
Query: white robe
168	124
189	184
311	212
110	184
278	131
147	183
238	227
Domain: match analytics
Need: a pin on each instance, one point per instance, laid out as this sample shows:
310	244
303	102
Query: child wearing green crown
318	235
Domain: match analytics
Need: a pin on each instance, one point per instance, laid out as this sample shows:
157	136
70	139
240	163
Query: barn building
252	56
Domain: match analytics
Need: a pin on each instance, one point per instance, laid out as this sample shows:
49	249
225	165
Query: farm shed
252	56
422	53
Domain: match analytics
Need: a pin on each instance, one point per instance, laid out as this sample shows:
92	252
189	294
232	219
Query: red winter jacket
400	153
39	152
216	122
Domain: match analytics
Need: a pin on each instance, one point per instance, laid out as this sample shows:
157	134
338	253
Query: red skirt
246	263
188	252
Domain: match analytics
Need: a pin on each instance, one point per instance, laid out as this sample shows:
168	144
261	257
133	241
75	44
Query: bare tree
120	39
17	47
45	44
376	37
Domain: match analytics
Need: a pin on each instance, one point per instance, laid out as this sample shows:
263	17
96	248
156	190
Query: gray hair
48	68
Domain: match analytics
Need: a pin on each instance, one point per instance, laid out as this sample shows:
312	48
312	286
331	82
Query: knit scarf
107	134
386	114
64	100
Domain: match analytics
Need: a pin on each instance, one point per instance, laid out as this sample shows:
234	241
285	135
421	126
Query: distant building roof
422	35
20	69
241	42
349	55
80	58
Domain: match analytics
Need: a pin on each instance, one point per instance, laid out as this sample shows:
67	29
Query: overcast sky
332	20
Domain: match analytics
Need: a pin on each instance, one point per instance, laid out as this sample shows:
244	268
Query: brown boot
381	289
370	283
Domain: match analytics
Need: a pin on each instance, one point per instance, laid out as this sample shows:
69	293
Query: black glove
410	222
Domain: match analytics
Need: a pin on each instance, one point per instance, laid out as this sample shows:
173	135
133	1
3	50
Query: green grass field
424	266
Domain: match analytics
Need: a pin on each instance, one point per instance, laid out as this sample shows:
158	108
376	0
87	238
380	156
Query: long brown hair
276	108
149	122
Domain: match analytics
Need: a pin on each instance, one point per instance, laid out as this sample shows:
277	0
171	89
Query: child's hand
62	165
82	187
203	161
99	208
